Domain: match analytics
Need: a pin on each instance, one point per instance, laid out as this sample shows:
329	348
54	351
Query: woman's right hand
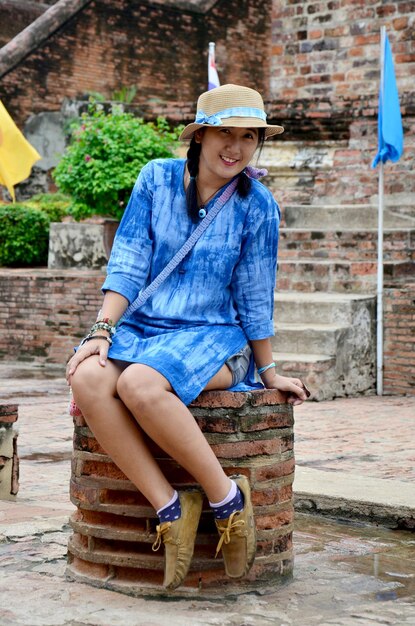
94	346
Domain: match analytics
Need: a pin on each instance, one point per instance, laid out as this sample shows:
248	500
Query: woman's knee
90	378
141	388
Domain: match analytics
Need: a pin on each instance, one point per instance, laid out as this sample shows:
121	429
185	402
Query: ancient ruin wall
317	64
157	47
324	83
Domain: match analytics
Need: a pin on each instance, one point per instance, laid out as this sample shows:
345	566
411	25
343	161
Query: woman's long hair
193	155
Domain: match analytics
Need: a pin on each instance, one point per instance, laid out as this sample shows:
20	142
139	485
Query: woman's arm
113	307
293	388
128	267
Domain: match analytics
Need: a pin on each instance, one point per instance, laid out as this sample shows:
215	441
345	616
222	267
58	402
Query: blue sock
234	501
171	511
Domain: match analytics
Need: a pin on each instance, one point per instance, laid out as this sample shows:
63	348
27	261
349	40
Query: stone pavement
356	459
345	573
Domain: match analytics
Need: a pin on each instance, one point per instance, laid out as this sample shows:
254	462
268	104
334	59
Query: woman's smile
225	153
228	160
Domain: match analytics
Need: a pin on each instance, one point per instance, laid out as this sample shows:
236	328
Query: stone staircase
328	340
325	303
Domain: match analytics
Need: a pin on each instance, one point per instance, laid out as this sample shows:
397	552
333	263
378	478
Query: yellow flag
17	156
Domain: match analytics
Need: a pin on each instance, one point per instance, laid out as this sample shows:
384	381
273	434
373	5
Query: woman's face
225	152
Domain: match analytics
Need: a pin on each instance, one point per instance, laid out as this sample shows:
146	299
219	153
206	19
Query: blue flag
390	133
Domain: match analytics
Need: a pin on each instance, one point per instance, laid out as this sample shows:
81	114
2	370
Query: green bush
105	155
55	205
24	236
24	233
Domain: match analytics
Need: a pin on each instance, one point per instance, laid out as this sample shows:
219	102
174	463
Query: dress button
202	213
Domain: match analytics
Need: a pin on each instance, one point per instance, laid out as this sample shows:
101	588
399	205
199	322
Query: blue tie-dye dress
217	299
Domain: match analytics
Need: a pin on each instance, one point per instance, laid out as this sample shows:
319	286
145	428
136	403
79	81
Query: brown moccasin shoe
179	539
238	536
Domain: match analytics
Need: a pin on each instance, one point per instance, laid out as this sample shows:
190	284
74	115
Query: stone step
317	307
327	340
308	339
317	371
302	360
353	217
341	276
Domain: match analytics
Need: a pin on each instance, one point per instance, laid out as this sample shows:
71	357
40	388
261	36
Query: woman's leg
95	392
168	422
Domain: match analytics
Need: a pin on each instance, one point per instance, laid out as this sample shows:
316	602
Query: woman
203	328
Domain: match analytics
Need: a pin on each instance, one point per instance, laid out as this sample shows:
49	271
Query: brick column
114	525
9	461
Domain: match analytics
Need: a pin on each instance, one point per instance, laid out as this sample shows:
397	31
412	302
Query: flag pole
379	335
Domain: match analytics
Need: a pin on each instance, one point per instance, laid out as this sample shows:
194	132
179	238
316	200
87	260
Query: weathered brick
104	469
239	450
274	470
81	442
128	498
91	570
275	520
272	495
8	413
281	419
227	424
268	397
220	399
82	493
74	69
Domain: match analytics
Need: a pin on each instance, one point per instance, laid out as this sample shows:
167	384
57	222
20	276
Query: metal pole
379	335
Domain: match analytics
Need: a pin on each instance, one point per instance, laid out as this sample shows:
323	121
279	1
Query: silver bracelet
90	337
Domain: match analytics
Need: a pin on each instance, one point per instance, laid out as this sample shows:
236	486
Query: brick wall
47	312
399	339
325	80
317	64
342	260
159	48
15	16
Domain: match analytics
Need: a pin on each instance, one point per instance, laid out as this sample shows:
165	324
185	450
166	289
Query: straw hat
231	105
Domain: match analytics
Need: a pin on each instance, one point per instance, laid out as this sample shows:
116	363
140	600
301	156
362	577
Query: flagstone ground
345	573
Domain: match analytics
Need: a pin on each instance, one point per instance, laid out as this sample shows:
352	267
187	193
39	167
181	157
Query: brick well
114	525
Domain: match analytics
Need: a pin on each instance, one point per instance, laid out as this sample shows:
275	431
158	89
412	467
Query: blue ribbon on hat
216	118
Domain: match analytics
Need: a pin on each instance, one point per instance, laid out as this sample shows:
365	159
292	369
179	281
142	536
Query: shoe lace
161	530
226	531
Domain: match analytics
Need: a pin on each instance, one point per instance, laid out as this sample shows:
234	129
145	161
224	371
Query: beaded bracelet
90	337
103	325
265	368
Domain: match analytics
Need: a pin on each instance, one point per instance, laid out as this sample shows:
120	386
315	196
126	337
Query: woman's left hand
295	391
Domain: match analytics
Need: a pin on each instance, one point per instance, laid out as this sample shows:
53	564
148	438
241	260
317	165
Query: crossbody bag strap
184	250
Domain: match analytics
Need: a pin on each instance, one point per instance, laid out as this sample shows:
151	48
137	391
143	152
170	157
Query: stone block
84	245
